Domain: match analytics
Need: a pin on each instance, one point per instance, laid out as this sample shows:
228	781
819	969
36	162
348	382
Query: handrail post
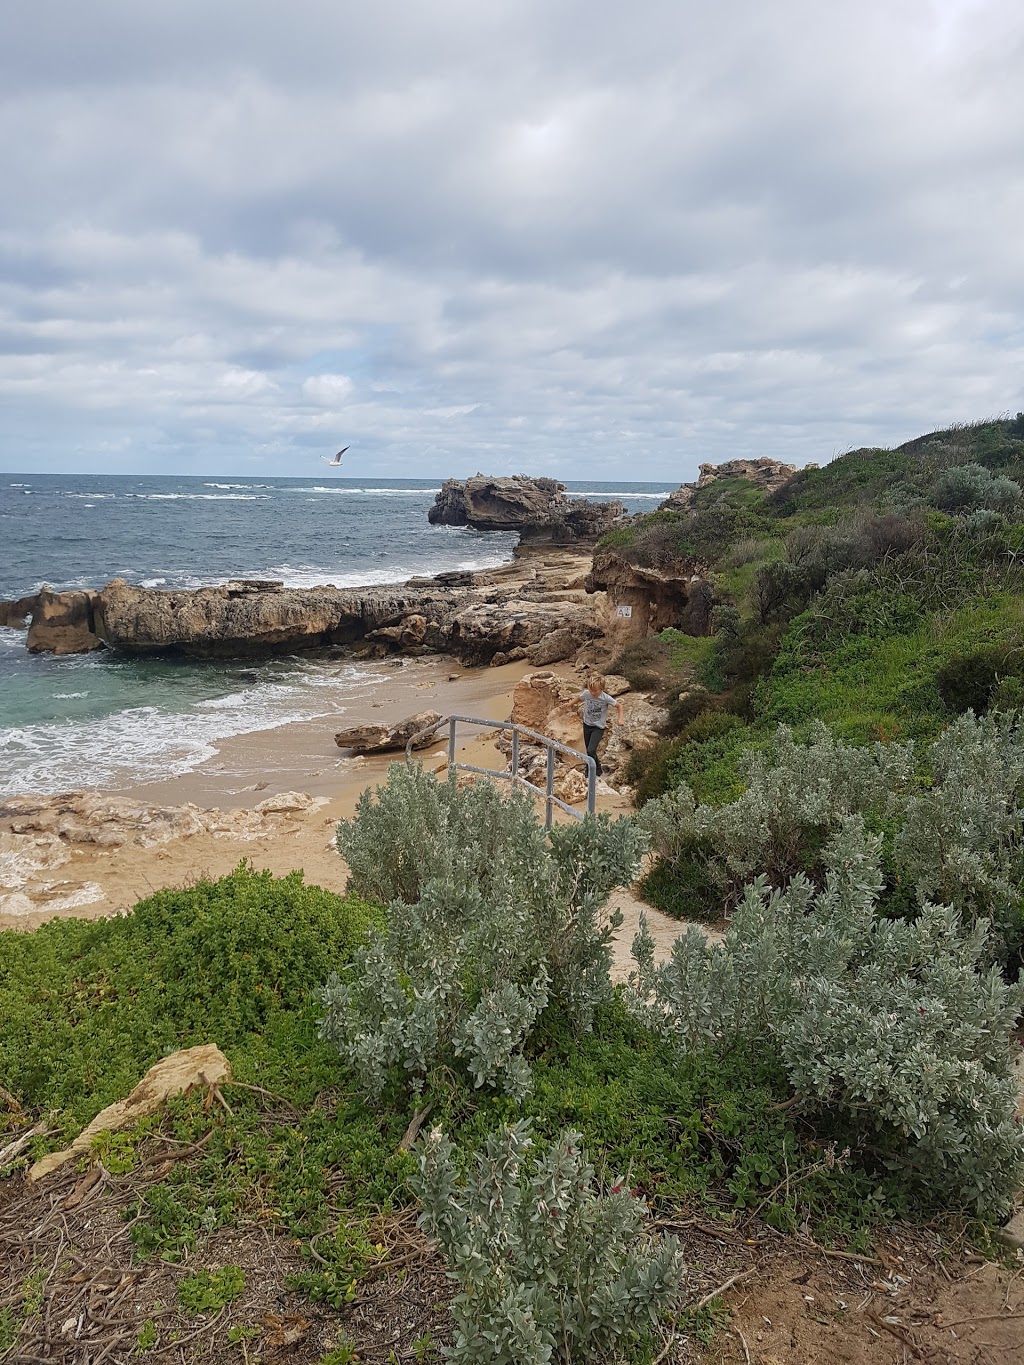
515	757
591	785
451	743
550	788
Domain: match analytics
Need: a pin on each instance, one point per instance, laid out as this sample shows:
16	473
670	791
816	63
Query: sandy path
661	927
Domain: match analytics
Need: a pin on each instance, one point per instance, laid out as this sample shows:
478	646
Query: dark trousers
592	737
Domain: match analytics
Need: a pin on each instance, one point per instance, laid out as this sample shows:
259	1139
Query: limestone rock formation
765	473
484	629
244	617
538	507
41	834
375	738
63	623
182	1071
473	615
640	601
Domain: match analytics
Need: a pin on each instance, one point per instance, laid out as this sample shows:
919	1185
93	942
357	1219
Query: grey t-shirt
595	709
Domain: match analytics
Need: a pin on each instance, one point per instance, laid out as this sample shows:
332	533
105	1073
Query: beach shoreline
94	881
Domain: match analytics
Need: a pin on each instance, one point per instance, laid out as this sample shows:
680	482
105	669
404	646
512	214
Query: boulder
538	507
174	1075
557	645
373	738
480	631
288	803
63	623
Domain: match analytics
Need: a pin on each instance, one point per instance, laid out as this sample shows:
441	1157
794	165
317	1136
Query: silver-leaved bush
903	1027
550	1267
489	918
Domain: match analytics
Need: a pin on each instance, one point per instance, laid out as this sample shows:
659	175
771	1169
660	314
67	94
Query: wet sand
301	757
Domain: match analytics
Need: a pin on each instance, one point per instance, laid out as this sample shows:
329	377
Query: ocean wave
613	493
234	485
200	497
145	743
375	492
68	493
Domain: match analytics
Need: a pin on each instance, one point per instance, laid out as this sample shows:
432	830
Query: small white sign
624	611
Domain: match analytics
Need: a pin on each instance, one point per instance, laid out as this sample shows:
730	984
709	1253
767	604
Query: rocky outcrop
380	739
550	705
767	474
640	601
244	617
41	834
15	614
539	508
486	632
539	597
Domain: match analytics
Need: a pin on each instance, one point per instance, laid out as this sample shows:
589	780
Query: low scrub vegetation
550	1265
900	1031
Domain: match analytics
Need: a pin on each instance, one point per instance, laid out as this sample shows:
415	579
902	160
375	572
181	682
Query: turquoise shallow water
100	720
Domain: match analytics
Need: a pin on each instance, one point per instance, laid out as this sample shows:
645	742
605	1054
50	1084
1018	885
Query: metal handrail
513	776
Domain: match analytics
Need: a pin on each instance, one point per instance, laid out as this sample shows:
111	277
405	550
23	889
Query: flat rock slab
173	1075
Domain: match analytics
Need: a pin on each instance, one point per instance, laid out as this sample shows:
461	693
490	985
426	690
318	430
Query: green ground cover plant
89	1006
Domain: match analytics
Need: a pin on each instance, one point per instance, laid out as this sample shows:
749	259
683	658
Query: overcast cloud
591	239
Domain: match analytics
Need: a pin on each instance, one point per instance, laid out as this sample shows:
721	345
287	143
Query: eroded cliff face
639	601
538	508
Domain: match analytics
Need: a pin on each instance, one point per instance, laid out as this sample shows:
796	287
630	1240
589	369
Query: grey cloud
535	233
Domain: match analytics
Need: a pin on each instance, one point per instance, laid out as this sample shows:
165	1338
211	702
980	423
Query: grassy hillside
882	595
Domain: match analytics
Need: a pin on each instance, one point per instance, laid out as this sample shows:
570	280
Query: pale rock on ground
375	739
173	1075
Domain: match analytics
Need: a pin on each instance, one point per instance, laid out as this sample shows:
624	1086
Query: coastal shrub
89	1006
489	919
414	830
550	1266
642	664
897	1028
795	792
953	818
969	486
960	839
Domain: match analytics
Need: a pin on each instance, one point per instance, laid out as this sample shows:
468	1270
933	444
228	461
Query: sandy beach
249	769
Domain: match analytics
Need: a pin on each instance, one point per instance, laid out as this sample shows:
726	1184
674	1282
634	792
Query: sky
587	239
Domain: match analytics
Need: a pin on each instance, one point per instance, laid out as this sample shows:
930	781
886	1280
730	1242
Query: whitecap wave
200	497
376	492
145	743
620	494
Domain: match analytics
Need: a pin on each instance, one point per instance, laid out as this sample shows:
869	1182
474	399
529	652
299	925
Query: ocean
100	720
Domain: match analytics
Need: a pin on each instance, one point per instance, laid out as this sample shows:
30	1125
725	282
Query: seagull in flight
336	462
